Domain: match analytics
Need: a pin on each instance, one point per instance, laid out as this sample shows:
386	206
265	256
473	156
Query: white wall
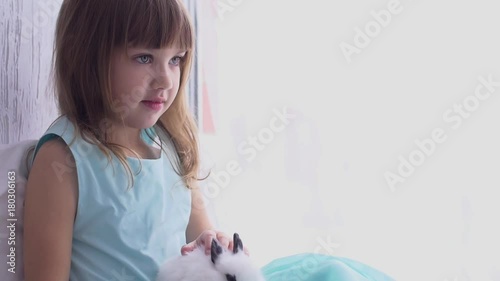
26	39
323	176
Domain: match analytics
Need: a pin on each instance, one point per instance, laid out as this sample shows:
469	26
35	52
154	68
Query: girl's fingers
207	241
224	241
188	248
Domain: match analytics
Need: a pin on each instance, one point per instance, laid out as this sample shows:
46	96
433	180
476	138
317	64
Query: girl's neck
128	137
131	138
123	135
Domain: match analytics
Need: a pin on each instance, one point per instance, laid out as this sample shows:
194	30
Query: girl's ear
215	251
238	244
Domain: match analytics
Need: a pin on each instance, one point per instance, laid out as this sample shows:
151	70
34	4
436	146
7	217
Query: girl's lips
154	105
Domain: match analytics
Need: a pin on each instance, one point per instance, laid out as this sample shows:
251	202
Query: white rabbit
221	265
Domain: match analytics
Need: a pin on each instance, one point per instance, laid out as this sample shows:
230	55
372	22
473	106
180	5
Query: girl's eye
144	59
176	60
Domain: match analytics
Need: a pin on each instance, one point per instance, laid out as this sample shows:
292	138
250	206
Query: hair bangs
157	24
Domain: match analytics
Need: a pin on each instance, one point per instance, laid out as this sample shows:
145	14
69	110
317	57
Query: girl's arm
198	221
200	230
50	207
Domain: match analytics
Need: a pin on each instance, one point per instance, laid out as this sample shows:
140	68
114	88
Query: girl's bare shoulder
53	166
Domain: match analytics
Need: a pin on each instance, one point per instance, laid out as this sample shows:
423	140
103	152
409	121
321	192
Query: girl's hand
205	241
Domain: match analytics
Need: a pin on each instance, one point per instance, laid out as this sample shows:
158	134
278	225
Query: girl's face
144	83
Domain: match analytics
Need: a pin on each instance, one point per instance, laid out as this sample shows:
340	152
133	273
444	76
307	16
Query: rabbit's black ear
215	250
237	243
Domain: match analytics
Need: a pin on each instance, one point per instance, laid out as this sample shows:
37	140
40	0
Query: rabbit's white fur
197	266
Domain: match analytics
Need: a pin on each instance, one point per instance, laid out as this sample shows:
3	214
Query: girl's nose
162	79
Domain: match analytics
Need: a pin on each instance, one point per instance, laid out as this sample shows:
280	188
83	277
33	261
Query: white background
323	176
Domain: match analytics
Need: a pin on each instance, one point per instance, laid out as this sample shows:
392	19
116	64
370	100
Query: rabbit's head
235	265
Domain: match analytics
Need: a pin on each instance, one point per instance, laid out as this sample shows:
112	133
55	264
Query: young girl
112	192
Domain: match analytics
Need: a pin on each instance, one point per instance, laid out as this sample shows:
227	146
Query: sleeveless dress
126	235
122	234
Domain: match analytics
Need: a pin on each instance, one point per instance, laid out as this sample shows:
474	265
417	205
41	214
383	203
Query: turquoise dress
120	234
317	267
126	235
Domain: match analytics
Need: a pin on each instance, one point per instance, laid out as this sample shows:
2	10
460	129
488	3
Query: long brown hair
87	32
